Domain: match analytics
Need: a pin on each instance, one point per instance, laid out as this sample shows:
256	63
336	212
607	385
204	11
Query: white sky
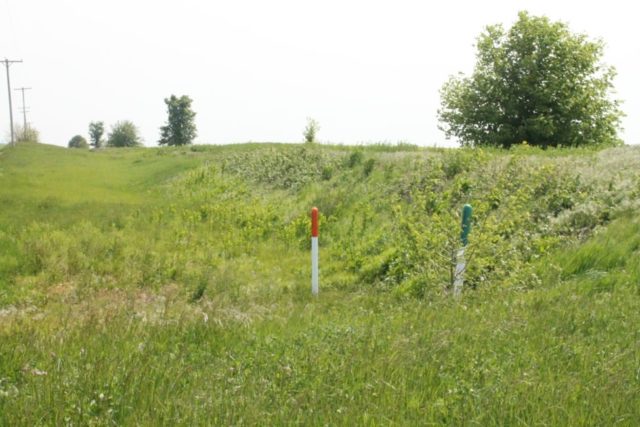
368	71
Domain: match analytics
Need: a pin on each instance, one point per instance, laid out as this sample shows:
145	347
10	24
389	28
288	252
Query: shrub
124	134
311	130
78	141
28	134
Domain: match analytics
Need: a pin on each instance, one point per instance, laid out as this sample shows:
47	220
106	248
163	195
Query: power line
24	109
8	62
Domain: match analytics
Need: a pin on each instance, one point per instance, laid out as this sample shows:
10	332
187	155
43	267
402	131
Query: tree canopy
124	134
536	82
180	128
78	141
96	130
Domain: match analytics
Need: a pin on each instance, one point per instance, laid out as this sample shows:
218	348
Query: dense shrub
124	134
78	141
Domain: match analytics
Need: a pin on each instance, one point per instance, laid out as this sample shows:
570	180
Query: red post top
314	222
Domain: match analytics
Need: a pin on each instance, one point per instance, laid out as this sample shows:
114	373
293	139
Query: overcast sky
367	71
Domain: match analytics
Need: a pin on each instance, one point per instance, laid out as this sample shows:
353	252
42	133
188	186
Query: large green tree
537	82
180	128
124	134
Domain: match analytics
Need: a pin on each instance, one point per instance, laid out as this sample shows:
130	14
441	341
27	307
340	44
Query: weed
166	286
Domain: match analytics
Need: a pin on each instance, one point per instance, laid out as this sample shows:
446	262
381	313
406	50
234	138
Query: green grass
75	183
171	287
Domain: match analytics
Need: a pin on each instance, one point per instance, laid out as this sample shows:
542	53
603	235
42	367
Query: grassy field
172	286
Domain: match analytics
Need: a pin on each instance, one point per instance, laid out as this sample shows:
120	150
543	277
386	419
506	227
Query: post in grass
314	251
461	264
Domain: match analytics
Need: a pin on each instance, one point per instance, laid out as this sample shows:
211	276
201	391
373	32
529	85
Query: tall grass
171	287
555	356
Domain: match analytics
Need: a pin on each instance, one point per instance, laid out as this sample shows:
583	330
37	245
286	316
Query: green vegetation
28	134
124	134
311	130
536	82
170	286
96	130
78	141
180	128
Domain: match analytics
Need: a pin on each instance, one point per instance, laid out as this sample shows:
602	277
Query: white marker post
314	251
461	263
458	280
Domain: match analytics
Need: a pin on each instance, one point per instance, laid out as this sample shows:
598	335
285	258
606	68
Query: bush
368	166
311	130
124	134
78	141
28	134
355	158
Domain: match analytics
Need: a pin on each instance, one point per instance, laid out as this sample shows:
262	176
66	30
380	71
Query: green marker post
461	264
467	210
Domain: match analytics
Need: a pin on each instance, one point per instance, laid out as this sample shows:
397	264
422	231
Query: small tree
28	134
180	128
311	130
538	83
96	130
123	134
78	141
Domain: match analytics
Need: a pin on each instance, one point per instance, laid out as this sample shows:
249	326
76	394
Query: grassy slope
132	293
49	176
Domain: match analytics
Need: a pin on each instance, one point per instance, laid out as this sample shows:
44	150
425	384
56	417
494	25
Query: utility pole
24	110
8	62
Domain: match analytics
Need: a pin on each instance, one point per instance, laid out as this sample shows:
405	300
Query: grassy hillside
171	286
